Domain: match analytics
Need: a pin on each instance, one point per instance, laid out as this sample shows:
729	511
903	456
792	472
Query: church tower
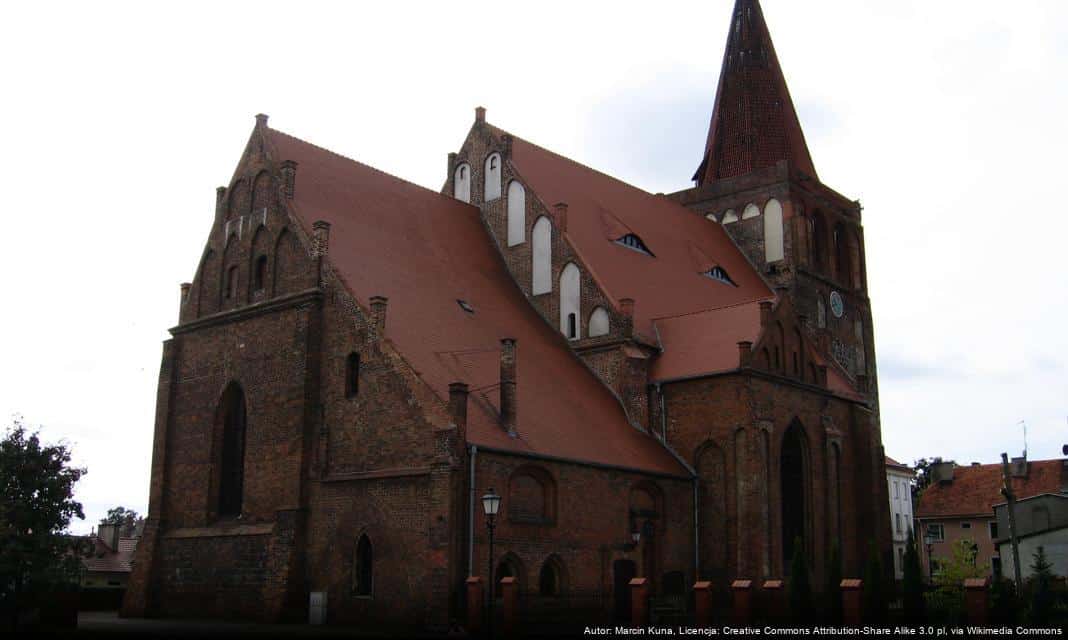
758	180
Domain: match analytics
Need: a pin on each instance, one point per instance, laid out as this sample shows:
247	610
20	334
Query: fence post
702	596
851	604
474	604
509	595
742	600
639	602
976	600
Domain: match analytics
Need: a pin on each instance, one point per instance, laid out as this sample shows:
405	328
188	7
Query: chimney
942	472
458	404
109	535
320	238
261	120
480	114
378	314
745	353
626	308
289	177
976	464
1019	467
185	291
765	312
508	390
560	214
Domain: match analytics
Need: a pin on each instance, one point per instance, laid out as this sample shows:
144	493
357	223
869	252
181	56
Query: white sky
947	120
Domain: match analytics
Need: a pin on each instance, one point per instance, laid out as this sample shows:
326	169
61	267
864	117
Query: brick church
673	386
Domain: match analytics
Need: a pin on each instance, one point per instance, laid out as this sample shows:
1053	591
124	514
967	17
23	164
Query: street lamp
491	503
929	541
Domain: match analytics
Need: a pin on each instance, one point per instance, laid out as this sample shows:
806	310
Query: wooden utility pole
1010	497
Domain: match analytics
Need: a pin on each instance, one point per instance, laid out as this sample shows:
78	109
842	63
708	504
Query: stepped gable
663	286
425	251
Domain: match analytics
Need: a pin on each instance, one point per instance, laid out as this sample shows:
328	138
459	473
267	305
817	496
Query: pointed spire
753	124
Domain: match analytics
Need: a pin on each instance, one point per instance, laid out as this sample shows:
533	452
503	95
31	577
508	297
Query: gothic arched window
231	419
259	277
363	567
517	213
352	375
599	323
542	256
492	187
461	183
570	301
773	232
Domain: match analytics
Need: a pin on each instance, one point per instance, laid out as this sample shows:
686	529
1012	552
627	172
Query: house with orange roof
959	504
678	387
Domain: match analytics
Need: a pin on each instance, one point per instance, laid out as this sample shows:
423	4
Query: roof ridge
575	162
367	166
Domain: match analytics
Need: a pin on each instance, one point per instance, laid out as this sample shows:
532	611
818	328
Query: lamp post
929	540
491	503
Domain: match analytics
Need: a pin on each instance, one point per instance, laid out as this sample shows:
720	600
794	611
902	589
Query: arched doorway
623	571
794	476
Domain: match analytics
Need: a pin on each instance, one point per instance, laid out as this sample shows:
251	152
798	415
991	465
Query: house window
363	568
900	559
352	375
936	532
965	525
259	273
936	567
993	530
897	522
531	496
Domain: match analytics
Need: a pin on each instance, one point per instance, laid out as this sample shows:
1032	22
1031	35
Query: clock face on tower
837	306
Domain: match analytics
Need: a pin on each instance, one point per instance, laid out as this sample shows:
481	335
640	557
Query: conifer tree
1041	595
874	590
912	582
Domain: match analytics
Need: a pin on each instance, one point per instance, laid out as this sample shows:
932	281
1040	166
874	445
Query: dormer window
719	274
632	241
466	306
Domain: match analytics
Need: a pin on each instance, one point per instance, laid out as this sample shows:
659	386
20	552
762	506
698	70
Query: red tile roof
976	489
673	300
890	462
754	124
106	560
424	251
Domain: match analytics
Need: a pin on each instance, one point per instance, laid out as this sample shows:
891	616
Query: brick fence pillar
976	600
742	600
851	604
702	596
774	604
639	602
474	604
509	605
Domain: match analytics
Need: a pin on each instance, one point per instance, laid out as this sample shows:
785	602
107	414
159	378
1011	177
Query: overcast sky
946	119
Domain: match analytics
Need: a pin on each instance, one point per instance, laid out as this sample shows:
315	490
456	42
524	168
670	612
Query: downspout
471	513
696	488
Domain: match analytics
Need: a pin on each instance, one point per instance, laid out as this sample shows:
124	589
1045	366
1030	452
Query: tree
946	602
875	605
800	587
834	586
125	518
37	505
912	582
1040	581
922	468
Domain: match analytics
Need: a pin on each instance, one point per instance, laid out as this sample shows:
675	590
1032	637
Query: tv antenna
1024	425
